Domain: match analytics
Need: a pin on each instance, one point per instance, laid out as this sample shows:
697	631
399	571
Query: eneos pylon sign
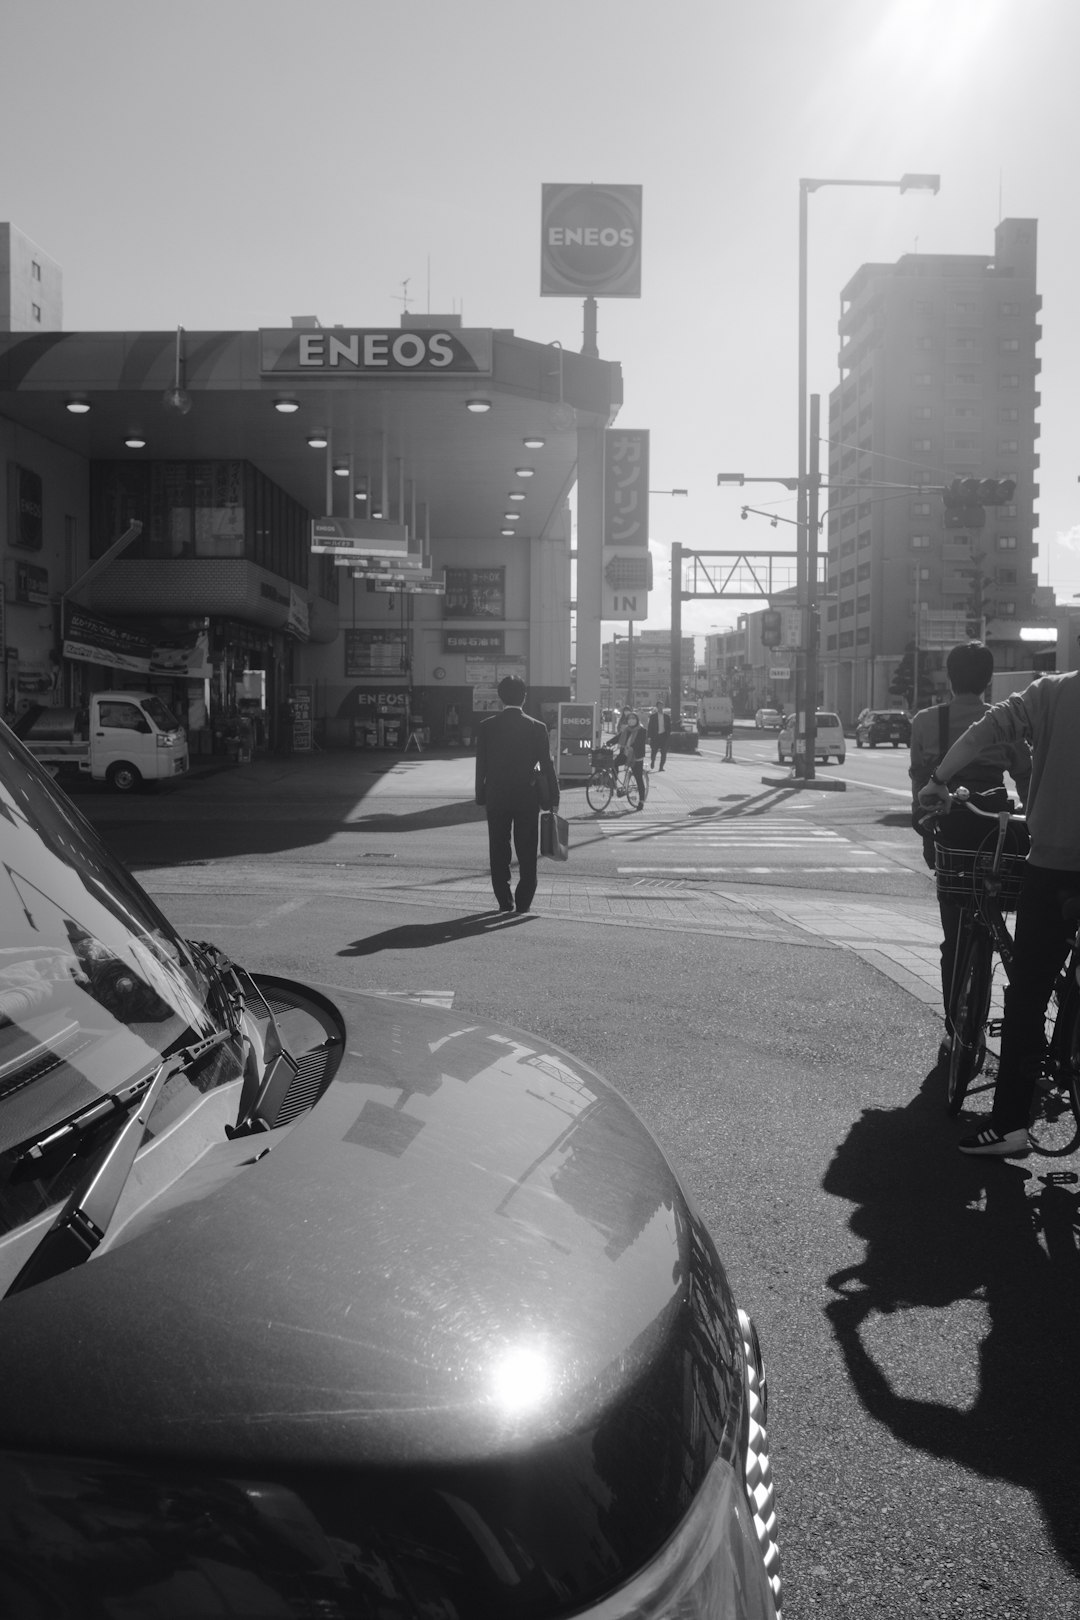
590	242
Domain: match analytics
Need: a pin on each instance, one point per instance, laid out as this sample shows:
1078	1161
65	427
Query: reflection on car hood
465	1295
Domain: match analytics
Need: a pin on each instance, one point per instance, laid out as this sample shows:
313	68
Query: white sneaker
997	1143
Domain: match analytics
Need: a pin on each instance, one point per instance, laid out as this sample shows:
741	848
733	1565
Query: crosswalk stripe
757	871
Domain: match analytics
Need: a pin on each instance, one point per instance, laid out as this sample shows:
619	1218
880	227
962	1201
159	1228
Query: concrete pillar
590	560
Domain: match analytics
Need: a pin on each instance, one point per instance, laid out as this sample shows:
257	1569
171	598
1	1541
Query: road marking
279	911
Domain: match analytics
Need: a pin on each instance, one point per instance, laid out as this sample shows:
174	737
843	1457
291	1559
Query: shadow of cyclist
941	1230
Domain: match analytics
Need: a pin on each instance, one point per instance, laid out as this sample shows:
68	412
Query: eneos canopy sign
374	352
590	242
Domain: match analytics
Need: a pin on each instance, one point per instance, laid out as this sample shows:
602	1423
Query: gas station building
159	495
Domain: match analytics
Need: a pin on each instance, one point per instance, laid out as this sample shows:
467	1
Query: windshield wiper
81	1226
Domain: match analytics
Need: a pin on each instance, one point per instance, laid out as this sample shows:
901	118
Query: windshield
94	984
162	717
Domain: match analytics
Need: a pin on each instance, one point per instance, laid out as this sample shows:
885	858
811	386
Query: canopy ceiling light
511	517
524	472
78	407
341	469
286	406
508	531
318	440
516	495
135	443
533	444
478	405
360	494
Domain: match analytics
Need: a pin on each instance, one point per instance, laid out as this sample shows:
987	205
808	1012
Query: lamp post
806	573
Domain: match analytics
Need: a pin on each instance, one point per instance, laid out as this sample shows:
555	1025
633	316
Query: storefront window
203	509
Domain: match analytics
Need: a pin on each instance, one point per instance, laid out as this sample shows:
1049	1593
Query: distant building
652	668
939	368
31	285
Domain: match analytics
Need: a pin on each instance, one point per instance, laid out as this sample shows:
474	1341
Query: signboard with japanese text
478	643
96	641
626	487
484	675
369	351
353	538
300	700
475	593
590	241
374	652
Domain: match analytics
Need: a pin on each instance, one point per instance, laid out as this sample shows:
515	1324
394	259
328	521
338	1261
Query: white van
122	738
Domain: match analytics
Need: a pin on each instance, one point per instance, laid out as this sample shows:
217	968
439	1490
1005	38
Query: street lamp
807	500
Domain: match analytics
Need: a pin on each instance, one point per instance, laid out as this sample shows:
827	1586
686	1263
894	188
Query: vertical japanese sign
627	573
626	487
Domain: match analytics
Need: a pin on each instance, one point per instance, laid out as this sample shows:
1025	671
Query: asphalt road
918	1311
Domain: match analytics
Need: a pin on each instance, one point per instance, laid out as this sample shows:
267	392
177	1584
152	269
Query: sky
227	164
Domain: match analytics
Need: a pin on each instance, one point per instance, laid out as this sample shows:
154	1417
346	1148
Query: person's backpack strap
942	731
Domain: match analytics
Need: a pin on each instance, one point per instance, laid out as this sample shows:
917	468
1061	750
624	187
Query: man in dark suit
513	772
659	729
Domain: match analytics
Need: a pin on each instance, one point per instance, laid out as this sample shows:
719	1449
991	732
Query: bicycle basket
602	757
961	874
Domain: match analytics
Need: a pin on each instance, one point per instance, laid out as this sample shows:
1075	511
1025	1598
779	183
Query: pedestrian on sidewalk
515	779
659	735
970	668
1046	715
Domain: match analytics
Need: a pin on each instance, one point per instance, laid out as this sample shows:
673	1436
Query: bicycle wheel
1055	1111
598	790
970	1005
634	797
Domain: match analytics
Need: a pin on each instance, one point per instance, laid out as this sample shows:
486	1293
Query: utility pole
675	677
810	683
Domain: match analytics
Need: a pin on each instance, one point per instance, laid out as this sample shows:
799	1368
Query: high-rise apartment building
31	285
938	381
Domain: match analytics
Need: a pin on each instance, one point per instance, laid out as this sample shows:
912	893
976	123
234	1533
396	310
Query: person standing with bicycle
1046	715
970	667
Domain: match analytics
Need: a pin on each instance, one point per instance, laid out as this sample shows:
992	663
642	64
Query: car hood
463	1303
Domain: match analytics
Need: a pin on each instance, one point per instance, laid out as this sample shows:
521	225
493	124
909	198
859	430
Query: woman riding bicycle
631	740
1047	715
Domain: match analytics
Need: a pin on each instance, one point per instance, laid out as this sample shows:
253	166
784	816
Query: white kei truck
123	738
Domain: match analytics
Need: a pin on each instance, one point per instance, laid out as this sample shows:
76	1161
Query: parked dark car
882	726
309	1309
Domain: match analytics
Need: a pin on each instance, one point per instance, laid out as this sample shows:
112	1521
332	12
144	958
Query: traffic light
965	499
772	628
996	491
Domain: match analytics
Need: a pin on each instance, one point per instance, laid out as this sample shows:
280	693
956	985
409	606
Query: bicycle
609	781
987	884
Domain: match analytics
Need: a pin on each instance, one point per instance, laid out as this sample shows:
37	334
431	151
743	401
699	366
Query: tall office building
31	285
938	381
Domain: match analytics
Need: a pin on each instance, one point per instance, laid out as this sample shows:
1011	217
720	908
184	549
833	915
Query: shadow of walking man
419	936
950	1234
